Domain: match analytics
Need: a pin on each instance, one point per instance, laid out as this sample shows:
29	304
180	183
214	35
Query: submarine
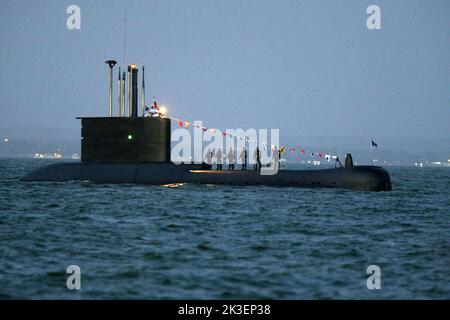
133	148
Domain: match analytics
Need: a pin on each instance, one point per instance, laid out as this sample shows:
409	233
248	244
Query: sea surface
223	242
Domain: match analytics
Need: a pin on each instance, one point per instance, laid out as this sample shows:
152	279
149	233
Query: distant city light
55	155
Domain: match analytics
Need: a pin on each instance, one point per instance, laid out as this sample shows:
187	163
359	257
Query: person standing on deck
243	158
230	158
208	158
276	155
257	158
219	159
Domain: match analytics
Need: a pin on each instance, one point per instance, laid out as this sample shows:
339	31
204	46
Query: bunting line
298	150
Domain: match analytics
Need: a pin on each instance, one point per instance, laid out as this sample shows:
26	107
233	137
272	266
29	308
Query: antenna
129	91
111	64
143	91
119	92
123	93
125	34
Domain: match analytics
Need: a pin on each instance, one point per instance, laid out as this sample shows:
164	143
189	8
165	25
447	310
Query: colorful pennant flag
282	149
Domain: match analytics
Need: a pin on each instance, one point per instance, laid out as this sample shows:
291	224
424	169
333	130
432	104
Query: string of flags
283	149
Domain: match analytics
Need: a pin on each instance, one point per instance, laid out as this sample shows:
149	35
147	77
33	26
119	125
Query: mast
123	93
134	91
111	64
129	91
143	91
119	92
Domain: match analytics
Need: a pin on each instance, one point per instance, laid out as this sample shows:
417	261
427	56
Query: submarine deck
365	178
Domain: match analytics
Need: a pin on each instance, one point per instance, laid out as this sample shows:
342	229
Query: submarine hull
363	178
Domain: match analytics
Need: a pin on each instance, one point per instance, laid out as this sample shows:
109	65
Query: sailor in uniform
208	157
230	158
243	158
219	159
276	154
257	158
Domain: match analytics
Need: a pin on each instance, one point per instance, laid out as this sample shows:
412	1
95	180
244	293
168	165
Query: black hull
363	178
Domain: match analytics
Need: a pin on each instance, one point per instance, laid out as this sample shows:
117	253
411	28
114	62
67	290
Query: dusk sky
305	67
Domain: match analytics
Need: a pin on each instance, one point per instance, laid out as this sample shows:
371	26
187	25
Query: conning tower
125	138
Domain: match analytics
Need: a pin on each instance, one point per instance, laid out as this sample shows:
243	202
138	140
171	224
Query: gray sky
306	67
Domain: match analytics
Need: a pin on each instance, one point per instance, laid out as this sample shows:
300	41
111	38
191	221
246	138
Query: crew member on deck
230	158
219	159
257	158
243	158
280	154
276	155
208	157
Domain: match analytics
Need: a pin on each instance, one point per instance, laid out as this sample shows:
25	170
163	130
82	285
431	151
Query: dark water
151	242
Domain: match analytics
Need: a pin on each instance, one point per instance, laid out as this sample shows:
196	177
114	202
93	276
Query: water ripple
223	242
